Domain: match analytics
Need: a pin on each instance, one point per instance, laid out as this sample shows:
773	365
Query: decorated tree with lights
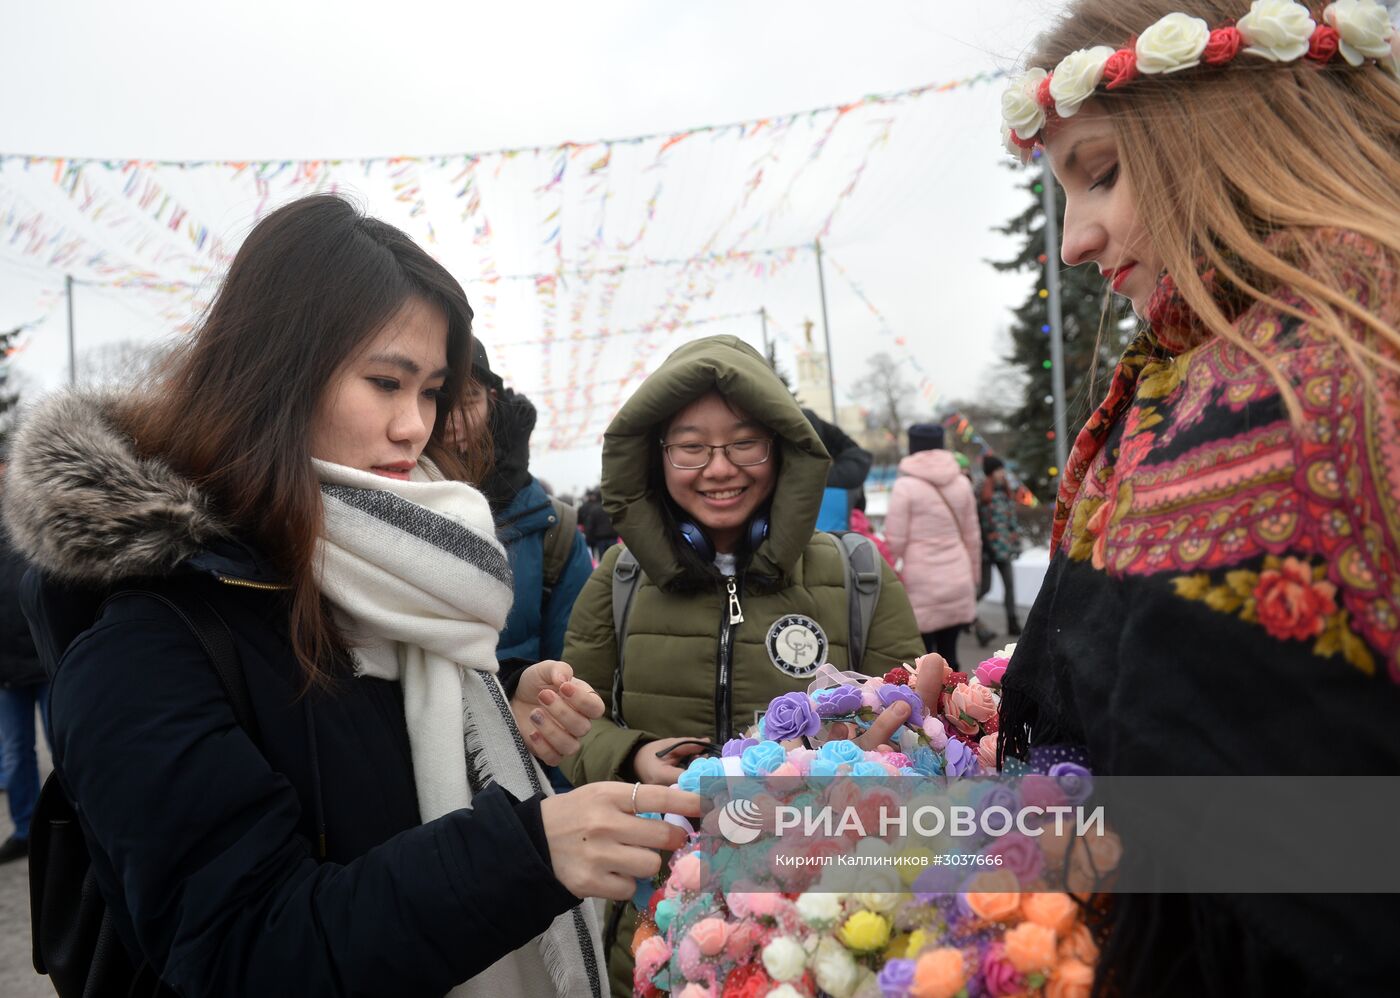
1096	328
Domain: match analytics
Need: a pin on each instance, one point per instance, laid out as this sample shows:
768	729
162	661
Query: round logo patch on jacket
797	645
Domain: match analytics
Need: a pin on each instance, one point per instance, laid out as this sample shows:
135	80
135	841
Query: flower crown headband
1277	30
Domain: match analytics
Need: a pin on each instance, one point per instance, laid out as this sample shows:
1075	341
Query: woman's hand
931	675
666	769
553	710
597	845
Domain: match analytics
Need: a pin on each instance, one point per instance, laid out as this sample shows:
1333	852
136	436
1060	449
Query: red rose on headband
1042	95
1223	45
1323	44
1120	68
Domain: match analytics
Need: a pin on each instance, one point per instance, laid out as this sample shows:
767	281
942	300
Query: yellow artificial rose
866	931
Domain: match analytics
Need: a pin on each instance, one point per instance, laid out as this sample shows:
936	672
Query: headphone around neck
699	542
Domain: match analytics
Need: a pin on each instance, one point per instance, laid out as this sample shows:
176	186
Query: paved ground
17	977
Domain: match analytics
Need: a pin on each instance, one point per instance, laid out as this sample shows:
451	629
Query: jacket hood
739	373
85	508
938	467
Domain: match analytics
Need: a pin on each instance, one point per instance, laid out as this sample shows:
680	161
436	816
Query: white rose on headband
1365	29
1019	109
1278	30
1076	77
1173	43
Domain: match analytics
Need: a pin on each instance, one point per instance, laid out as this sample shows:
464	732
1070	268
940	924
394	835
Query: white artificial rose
784	959
1173	43
1020	111
835	969
1076	77
883	902
1277	30
785	991
1006	652
1365	29
819	910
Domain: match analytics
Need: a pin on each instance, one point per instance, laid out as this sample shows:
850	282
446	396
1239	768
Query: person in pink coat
932	525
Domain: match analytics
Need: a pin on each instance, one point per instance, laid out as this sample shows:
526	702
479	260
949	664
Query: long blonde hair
1224	161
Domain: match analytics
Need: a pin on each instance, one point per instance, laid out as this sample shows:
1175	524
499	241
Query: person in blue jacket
548	556
547	553
386	830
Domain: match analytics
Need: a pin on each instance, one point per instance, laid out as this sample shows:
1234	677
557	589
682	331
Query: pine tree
1087	310
9	397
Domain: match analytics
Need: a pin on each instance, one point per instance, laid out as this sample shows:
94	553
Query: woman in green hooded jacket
713	478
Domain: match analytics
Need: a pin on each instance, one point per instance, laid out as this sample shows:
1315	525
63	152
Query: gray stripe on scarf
427	526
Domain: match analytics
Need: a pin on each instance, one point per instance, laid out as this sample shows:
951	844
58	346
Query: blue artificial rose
842	753
762	758
909	771
791	716
871	769
838	701
736	746
704	776
927	762
822	766
1074	781
890	694
665	911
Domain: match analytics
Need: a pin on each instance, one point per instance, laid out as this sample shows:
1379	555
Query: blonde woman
1224	594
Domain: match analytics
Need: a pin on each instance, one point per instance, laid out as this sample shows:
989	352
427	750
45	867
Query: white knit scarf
421	588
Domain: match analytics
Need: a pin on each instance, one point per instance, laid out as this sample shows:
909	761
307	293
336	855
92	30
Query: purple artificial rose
1074	780
1019	854
838	701
889	693
735	747
896	978
959	759
790	716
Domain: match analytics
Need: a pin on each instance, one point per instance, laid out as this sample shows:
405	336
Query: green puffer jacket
671	683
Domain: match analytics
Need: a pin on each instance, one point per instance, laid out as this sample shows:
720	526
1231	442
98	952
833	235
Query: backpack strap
217	641
558	541
863	580
626	577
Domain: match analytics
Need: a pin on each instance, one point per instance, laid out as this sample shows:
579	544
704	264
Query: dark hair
234	406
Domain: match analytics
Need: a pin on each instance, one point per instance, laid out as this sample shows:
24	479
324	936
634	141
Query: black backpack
74	935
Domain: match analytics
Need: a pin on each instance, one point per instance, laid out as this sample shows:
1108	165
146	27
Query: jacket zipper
732	616
249	584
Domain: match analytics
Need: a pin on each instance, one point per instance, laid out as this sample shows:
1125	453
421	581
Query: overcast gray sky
259	79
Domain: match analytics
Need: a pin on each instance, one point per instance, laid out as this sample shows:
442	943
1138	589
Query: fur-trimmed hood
86	509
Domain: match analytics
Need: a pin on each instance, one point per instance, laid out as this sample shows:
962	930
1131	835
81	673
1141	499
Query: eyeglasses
741	453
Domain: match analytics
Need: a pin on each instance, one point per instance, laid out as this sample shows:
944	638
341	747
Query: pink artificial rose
870	694
1041	791
987	753
936	733
999	977
693	990
692	963
651	954
744	938
689	872
710	935
969	706
990	671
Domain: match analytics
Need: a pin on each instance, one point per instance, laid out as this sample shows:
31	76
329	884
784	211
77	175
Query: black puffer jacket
204	842
19	664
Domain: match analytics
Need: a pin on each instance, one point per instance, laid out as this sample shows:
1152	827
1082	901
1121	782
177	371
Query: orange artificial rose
1070	979
997	898
644	931
1030	948
1054	911
1079	945
938	974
